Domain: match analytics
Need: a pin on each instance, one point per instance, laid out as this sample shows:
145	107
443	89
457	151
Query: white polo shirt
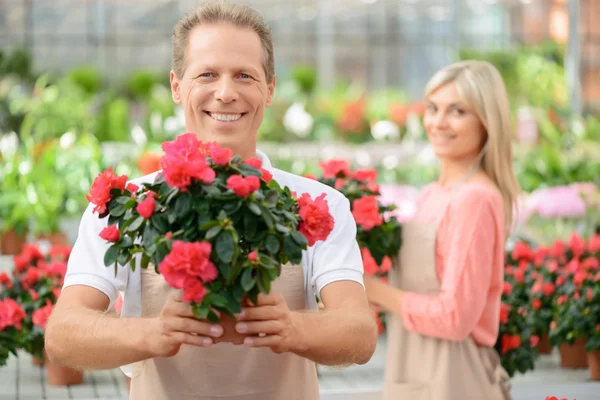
335	259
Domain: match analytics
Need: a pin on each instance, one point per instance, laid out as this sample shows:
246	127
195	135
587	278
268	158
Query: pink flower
99	194
193	290
186	262
253	256
310	176
548	288
365	175
146	207
534	340
507	288
369	264
221	155
243	186
132	187
110	233
537	304
5	280
504	313
335	168
41	315
266	175
316	221
11	314
339	183
185	161
366	212
594	244
577	245
254	162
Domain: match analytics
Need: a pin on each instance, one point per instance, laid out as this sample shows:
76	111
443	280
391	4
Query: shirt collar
266	163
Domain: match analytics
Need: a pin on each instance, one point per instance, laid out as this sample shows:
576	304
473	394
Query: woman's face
452	128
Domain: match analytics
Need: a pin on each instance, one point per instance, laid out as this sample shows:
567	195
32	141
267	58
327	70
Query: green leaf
254	208
124	257
238	292
271	198
292	250
136	224
110	257
249	225
264	282
232	304
300	239
208	225
201	205
183	204
247	280
225	246
126	241
123	199
248	170
281	228
200	311
145	261
268	218
215	299
118	210
212	317
232	207
213	232
272	244
159	220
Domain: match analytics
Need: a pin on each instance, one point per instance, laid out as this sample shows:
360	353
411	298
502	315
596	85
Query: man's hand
177	325
270	324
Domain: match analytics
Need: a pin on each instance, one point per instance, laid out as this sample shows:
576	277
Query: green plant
86	77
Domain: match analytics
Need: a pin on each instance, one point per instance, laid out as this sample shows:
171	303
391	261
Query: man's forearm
88	339
341	336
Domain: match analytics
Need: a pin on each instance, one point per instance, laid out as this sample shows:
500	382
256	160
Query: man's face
224	89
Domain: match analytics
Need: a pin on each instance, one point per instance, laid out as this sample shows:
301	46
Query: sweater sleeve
468	255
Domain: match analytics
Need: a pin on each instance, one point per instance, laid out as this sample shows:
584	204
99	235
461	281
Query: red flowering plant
516	339
11	320
212	225
378	231
577	298
36	282
34	286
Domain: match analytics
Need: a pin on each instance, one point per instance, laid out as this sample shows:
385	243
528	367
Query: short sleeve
338	257
86	263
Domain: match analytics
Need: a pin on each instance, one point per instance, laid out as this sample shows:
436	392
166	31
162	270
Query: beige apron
224	371
422	367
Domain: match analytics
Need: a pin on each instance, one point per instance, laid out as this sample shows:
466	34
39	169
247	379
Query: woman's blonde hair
221	11
481	87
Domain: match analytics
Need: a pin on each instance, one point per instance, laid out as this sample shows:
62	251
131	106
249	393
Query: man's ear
175	88
271	93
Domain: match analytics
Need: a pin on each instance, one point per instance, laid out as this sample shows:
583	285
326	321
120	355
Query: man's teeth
225	117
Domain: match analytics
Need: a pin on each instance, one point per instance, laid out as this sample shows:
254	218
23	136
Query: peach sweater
469	262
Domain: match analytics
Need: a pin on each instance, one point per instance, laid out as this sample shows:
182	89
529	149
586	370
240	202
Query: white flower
298	121
385	129
9	144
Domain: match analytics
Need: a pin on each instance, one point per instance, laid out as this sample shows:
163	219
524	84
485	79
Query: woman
446	284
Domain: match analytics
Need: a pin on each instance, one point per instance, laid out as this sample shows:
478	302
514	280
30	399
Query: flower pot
573	356
593	358
55	239
38	362
11	243
59	375
544	346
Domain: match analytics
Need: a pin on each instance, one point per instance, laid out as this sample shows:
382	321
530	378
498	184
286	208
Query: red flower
110	233
548	288
561	280
537	304
266	175
590	264
243	186
510	342
507	288
366	212
540	255
30	277
365	175
386	265
193	290
5	280
339	183
509	270
369	264
56	292
504	313
60	253
589	294
316	221
185	160
537	287
522	251
594	244
335	168
310	176
56	268
11	314
146	207
132	187
220	155
34	295
520	275
254	162
562	299
188	261
577	245
558	249
99	194
41	315
552	266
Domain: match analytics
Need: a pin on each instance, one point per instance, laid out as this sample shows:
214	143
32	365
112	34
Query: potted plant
11	319
592	297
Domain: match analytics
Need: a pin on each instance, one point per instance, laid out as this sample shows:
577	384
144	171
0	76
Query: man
223	76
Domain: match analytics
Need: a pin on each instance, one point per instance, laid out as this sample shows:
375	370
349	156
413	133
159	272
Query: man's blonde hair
221	11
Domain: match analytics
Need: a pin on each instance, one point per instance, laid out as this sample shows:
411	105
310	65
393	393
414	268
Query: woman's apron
422	367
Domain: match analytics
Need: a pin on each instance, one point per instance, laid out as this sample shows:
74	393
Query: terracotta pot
55	239
11	243
574	356
593	358
38	362
544	346
58	375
